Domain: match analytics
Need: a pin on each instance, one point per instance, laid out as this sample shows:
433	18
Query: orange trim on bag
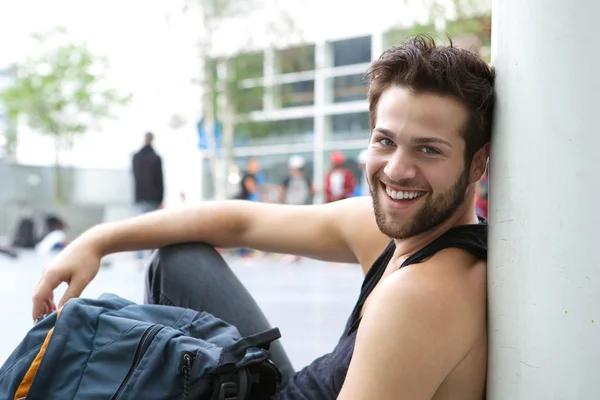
23	389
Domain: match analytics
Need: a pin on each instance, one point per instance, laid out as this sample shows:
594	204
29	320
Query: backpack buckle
228	391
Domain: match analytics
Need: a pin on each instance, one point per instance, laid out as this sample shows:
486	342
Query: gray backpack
111	348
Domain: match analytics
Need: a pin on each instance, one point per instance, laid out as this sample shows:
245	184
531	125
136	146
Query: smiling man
418	330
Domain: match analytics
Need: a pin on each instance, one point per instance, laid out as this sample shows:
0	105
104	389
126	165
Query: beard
434	212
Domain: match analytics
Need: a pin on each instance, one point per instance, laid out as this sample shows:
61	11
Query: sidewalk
309	301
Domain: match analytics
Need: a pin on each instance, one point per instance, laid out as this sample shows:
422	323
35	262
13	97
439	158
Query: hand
76	265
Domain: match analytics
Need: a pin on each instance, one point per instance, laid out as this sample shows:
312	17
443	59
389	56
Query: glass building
313	100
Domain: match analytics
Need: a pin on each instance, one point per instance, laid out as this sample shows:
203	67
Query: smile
403	195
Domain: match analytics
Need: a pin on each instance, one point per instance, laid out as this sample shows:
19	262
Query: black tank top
324	377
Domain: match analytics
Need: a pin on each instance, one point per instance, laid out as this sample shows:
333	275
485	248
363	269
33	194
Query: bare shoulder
450	285
357	219
422	322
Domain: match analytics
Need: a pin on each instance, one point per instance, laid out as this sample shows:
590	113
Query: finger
75	288
43	292
50	307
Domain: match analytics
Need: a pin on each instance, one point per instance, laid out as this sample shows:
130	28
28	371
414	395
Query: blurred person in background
249	184
25	236
481	196
148	179
297	189
339	180
54	238
362	189
250	189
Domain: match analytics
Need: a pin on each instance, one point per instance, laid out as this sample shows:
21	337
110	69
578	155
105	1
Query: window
295	59
297	94
349	88
248	100
255	133
350	126
241	67
246	66
351	51
292	126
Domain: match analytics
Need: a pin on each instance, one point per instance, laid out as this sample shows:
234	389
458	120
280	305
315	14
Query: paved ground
309	301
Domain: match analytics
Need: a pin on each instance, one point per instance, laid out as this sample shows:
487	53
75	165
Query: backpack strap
256	381
262	340
233	385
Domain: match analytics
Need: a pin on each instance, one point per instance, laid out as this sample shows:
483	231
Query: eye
429	150
385	142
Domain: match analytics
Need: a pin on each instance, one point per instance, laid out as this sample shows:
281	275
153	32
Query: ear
479	163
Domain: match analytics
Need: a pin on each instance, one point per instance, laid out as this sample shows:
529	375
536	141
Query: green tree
61	91
234	87
470	23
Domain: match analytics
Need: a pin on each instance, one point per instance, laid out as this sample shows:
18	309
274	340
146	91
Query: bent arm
323	232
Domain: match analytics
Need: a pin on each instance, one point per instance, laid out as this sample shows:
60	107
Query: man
297	189
249	184
362	189
148	177
419	328
339	181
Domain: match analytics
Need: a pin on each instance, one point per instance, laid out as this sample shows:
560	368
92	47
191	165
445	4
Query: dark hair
423	66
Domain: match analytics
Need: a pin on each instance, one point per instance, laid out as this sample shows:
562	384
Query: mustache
404	183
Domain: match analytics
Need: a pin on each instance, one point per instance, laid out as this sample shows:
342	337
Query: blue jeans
194	275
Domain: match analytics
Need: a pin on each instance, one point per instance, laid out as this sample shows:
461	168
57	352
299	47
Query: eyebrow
418	140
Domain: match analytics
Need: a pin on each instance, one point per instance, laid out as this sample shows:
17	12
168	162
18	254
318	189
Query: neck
466	215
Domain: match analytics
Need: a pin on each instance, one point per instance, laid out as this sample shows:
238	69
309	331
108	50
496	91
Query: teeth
402	195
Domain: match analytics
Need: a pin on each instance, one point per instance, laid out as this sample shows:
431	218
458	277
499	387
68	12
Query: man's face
253	166
415	162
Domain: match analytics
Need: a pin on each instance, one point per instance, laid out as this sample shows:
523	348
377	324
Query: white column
320	125
377	45
544	264
268	78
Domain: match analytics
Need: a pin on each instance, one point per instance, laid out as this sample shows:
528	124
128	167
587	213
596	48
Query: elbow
226	223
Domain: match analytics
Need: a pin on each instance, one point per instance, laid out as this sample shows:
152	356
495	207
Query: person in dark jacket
148	176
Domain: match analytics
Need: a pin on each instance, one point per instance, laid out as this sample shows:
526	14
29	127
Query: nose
400	166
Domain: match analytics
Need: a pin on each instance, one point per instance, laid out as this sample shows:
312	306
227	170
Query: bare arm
419	326
344	232
312	231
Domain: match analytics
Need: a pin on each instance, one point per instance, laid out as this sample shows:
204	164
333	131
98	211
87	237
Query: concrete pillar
377	44
270	71
544	261
320	121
